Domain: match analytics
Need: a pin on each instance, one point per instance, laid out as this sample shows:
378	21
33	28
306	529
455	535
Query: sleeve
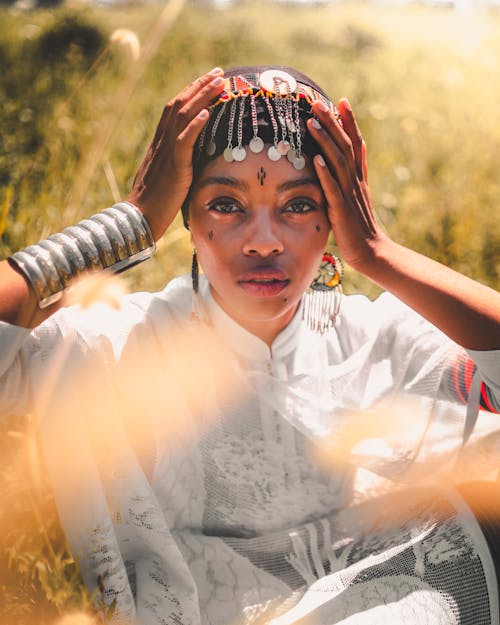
415	343
16	343
30	360
487	364
474	368
434	389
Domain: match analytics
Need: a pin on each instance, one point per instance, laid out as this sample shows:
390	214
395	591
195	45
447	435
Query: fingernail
320	160
215	71
203	114
321	106
217	82
347	104
316	124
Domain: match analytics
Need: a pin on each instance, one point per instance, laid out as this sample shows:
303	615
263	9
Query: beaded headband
259	106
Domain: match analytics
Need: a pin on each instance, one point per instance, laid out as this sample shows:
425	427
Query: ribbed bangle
114	240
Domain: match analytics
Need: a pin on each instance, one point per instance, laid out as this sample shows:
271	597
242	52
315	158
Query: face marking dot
318	228
210	234
261	175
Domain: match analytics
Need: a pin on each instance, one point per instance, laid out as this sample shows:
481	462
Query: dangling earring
322	299
195	273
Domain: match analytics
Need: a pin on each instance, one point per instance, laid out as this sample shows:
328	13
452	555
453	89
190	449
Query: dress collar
243	342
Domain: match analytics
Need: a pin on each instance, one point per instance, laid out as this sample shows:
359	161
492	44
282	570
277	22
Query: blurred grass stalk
4	210
97	152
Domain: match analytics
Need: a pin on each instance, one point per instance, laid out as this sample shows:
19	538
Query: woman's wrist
114	240
373	258
158	215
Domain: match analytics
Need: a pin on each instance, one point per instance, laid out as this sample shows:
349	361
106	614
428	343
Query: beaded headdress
262	109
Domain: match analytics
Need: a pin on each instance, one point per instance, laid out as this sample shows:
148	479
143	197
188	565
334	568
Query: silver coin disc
299	163
283	147
228	155
291	155
239	153
275	80
256	145
211	149
273	154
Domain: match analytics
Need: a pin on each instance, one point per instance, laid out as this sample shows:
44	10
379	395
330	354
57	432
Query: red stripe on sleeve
468	373
485	399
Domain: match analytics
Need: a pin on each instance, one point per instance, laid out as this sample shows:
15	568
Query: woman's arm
18	303
159	189
465	310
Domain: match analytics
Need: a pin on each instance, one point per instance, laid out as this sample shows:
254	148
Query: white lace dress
232	518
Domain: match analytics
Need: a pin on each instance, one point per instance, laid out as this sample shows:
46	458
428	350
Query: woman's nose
263	238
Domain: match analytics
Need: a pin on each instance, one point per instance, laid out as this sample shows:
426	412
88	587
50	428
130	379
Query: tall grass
423	83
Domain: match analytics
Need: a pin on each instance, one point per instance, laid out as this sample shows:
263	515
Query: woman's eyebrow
222	180
298	182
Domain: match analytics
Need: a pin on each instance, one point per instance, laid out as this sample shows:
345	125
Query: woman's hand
164	177
342	172
468	312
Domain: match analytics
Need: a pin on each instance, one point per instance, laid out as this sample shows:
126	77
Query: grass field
77	113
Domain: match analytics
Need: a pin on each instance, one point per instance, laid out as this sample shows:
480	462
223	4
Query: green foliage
424	87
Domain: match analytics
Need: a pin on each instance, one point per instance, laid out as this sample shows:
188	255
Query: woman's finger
199	101
364	161
352	130
351	218
193	88
331	189
333	129
186	140
341	164
210	84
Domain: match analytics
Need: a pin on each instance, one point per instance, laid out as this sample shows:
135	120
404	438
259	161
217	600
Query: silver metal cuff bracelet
114	240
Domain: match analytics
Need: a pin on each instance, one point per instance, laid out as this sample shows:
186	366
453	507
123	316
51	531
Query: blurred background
82	86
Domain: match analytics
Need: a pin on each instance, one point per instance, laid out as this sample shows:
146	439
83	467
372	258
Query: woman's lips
264	284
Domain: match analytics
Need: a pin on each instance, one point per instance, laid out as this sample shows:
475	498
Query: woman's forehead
255	171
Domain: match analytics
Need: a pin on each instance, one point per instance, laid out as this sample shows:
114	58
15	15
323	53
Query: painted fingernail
321	106
215	71
203	114
316	124
320	160
218	82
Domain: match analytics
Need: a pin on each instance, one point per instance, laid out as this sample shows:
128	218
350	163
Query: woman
232	518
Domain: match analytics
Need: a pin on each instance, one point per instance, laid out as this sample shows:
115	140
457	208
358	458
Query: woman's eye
225	206
300	206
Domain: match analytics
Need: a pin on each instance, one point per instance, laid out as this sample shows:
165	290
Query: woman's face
260	228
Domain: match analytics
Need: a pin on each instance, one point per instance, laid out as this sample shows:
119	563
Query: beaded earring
322	299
